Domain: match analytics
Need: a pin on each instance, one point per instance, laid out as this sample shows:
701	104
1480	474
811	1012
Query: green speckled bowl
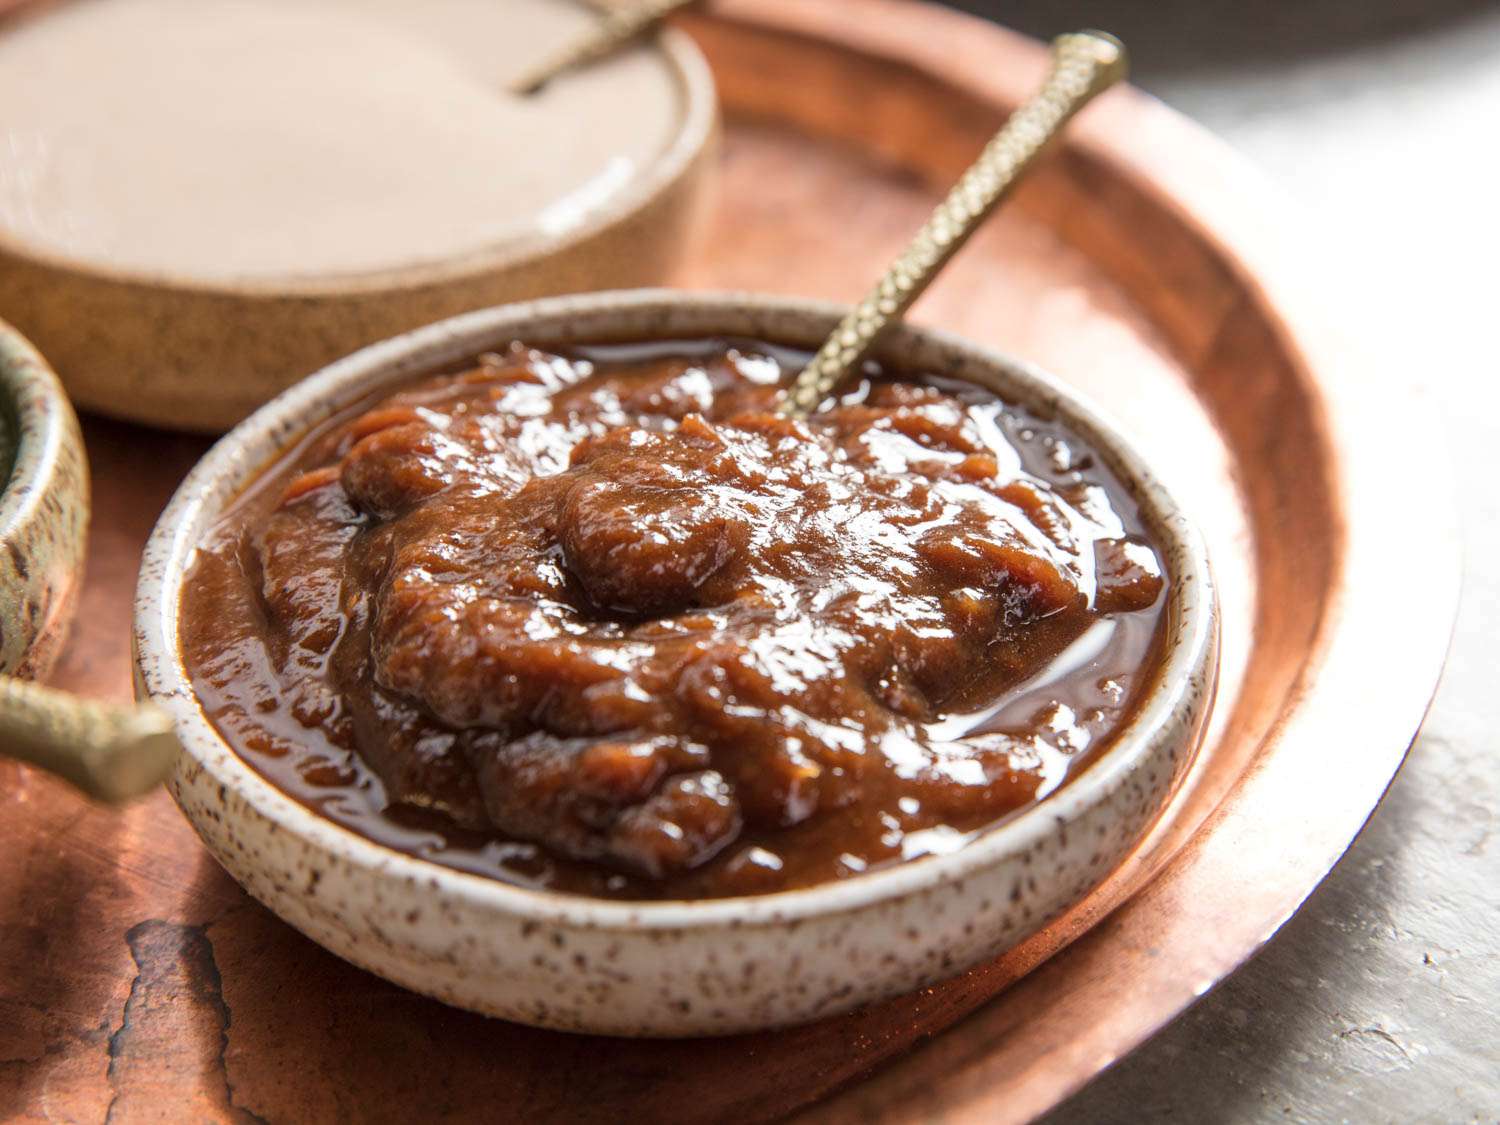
44	510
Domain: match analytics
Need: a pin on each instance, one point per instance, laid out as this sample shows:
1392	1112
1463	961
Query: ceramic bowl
44	510
670	968
185	354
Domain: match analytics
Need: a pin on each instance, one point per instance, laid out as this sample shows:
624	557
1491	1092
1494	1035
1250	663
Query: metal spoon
619	26
109	751
1084	64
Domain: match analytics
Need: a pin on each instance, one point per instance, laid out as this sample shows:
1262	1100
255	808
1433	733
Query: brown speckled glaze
672	968
176	353
44	510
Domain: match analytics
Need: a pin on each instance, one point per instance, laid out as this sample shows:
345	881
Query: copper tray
1145	264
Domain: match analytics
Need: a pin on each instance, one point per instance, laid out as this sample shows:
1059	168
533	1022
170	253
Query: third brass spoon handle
111	752
1084	63
620	25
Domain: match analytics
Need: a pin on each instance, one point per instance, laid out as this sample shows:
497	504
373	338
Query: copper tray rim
1256	229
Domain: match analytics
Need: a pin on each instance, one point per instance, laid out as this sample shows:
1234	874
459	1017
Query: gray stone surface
1378	1002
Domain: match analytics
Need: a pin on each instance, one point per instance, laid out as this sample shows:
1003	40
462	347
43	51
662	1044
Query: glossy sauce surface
604	622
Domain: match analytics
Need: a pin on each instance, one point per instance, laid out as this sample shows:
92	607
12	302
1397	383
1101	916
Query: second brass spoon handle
1084	63
620	25
109	751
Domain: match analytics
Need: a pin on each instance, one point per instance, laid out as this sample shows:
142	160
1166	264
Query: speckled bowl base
673	968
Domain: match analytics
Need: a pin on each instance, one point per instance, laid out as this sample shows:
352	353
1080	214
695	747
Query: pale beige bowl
669	968
44	510
191	355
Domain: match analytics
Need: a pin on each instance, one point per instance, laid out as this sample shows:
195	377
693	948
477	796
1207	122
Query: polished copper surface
1143	263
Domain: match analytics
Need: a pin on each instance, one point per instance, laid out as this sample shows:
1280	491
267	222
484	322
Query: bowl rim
32	391
691	138
1167	711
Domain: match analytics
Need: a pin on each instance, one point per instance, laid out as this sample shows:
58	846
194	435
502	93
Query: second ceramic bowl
671	968
186	353
44	510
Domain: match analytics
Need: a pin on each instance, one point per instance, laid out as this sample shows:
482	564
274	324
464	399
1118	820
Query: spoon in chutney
1084	65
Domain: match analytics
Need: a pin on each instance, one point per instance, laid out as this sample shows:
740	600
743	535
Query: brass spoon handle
619	26
111	752
1084	63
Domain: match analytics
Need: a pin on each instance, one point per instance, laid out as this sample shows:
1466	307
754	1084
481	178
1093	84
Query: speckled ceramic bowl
187	354
44	510
670	968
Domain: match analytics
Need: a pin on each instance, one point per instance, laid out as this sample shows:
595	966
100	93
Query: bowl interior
1165	711
33	413
10	426
14	369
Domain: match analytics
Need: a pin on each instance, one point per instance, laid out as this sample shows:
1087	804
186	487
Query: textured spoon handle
110	752
1084	63
619	26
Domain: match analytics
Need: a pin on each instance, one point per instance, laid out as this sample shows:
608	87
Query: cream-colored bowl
190	354
44	510
669	968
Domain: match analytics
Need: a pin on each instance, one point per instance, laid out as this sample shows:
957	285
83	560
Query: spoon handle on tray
1084	64
111	752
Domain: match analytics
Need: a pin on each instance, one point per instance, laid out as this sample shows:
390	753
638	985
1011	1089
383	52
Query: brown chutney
602	621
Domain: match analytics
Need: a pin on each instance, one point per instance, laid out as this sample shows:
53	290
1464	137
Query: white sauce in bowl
223	140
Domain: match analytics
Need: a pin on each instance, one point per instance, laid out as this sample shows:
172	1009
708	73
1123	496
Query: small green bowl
44	510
